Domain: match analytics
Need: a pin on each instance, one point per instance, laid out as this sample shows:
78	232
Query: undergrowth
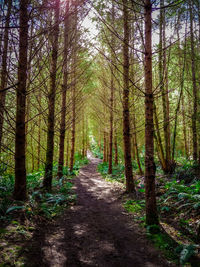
179	253
39	202
96	151
19	219
178	201
117	174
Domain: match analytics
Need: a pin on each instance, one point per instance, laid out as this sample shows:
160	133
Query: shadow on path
95	232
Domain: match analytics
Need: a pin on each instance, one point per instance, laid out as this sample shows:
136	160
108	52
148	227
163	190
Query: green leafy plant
185	252
14	208
132	206
117	174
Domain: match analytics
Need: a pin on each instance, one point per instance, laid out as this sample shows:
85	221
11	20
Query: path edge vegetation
21	219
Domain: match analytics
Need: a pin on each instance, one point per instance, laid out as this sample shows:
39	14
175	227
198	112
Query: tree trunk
111	93
166	114
150	168
116	150
133	149
39	134
184	128
20	137
47	183
67	151
32	149
73	132
4	75
83	136
159	140
73	114
163	76
104	146
64	89
111	124
130	186
87	145
136	145
178	106
194	115
107	148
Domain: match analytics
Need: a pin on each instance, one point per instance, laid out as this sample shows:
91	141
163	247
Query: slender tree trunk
39	141
184	127
163	76
32	149
100	148
150	196
107	148
64	89
67	151
74	90
136	145
39	134
133	149
182	98
4	75
116	150
73	132
111	124
47	183
111	94
159	140
83	137
20	137
166	114
194	116
104	146
87	145
130	186
27	115
178	107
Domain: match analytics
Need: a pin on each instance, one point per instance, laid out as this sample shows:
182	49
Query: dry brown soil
96	231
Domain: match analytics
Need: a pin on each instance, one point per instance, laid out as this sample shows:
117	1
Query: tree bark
67	151
64	89
159	140
47	183
104	146
73	132
111	93
150	196
116	150
130	186
39	134
166	108
163	78
136	145
20	137
4	75
111	124
194	115
184	128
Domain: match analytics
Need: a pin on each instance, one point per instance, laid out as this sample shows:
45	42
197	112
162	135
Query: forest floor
96	231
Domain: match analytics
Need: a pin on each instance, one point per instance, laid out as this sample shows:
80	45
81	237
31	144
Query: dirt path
95	232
